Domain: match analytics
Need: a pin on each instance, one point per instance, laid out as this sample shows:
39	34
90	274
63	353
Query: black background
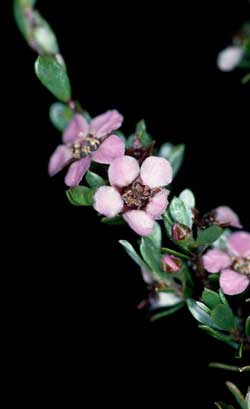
77	304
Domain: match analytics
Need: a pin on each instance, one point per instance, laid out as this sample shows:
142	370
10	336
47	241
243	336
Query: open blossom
233	264
136	193
83	142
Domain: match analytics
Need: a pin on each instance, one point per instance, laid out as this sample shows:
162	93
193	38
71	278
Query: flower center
86	146
137	196
241	265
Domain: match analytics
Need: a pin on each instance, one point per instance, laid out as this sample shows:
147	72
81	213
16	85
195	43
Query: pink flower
226	216
137	193
83	142
234	263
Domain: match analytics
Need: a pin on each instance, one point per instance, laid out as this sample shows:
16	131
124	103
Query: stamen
85	147
137	196
241	265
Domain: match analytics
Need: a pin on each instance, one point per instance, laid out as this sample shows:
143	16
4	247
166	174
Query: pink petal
139	221
156	172
76	171
225	215
239	244
106	123
108	201
233	283
158	204
123	171
78	125
215	260
59	159
113	147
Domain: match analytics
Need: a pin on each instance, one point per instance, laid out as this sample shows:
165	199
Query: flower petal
230	57
106	123
158	204
113	147
78	125
225	215
215	260
156	172
76	171
123	171
108	201
239	244
59	159
233	283
139	221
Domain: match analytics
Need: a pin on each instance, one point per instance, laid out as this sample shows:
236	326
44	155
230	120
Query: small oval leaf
94	180
223	317
60	115
80	196
54	77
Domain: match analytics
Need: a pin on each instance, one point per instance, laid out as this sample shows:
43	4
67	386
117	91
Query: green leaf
203	307
60	115
246	79
117	220
156	235
43	35
187	282
221	242
80	196
232	368
210	298
27	3
237	394
198	313
179	212
208	236
239	351
152	256
248	398
132	253
222	405
223	298
141	131
219	335
223	317
188	198
94	180
247	326
21	18
174	154
167	312
168	223
54	77
140	127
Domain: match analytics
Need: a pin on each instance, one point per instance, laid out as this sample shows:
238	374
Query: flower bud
180	231
171	264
